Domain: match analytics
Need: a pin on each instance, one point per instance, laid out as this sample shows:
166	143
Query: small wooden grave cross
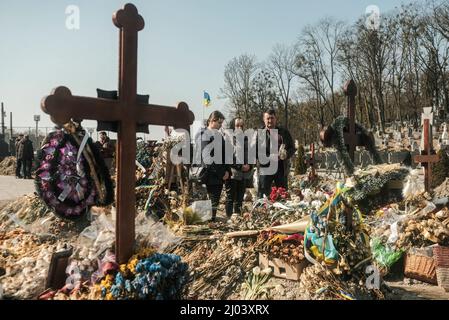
62	107
427	156
311	161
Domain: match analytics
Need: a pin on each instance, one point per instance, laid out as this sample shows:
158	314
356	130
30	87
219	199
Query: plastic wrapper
151	233
203	209
384	255
428	208
96	238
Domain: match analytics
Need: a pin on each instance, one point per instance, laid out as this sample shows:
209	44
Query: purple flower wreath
63	181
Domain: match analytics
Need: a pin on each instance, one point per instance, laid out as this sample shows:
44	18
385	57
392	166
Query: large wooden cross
62	106
427	157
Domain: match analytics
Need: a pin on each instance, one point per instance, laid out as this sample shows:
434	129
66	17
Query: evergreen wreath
69	184
339	142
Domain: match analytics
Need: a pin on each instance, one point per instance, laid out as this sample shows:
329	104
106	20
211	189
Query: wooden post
3	115
426	158
312	161
350	90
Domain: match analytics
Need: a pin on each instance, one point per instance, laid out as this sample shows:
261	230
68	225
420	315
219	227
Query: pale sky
182	50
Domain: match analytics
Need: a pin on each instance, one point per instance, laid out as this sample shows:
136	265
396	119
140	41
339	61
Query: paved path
12	188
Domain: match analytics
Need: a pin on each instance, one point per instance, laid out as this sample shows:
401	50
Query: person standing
26	154
216	172
4	148
18	159
106	148
242	174
286	149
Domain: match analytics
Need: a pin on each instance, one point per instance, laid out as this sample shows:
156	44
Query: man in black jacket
18	160
4	148
25	153
286	149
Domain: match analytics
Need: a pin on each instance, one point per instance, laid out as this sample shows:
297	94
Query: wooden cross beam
426	158
352	139
62	106
311	161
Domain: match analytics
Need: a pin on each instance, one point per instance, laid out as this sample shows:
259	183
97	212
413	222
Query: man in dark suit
286	149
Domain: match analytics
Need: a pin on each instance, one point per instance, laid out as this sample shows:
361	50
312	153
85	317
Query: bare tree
238	77
281	65
316	63
264	95
441	17
400	67
435	59
350	65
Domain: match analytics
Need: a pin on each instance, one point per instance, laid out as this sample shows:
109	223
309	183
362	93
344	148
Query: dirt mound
8	166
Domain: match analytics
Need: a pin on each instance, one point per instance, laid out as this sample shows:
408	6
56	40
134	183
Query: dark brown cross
352	139
312	161
351	136
62	107
426	158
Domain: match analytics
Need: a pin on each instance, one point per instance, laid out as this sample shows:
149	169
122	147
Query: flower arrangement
278	194
157	277
289	248
70	180
62	181
255	286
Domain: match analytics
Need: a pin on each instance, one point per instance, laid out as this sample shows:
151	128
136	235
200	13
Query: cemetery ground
380	216
399	287
360	235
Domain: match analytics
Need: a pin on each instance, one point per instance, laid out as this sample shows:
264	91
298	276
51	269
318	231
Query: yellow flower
144	253
107	282
132	265
123	269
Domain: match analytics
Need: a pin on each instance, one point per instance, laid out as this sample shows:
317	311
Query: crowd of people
238	175
233	176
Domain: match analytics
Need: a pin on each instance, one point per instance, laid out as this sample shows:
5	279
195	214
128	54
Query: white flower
256	271
267	270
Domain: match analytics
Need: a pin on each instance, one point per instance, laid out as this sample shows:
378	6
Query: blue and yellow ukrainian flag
206	100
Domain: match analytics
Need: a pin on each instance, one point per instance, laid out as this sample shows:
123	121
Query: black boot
214	215
229	207
238	209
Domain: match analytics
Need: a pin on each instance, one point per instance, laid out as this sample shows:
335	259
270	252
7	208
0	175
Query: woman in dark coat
216	171
242	173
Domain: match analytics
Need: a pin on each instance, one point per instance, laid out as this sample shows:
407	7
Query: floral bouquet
278	194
